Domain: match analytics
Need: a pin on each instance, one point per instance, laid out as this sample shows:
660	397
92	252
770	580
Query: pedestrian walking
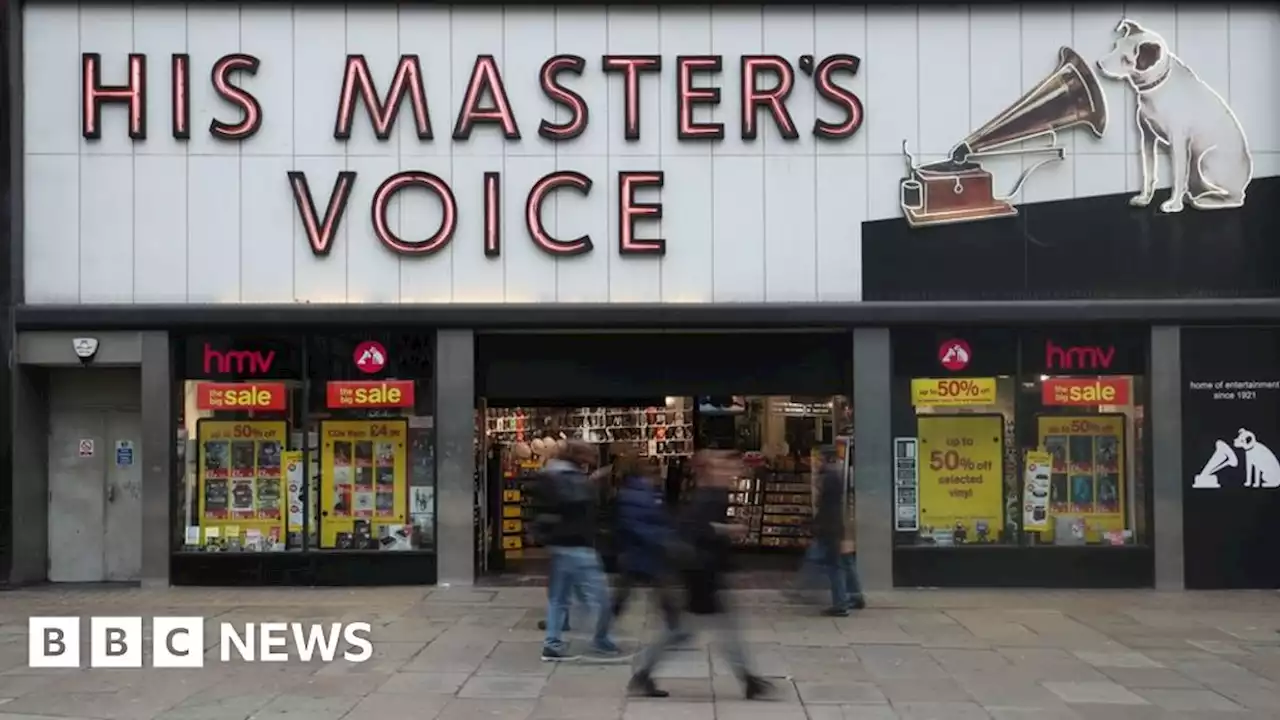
569	524
704	547
644	534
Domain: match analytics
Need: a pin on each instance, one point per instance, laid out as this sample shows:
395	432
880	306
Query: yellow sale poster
363	473
962	475
1088	470
241	478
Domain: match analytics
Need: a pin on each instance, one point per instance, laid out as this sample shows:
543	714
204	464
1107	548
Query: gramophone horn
1068	97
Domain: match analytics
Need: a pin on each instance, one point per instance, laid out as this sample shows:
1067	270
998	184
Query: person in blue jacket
644	534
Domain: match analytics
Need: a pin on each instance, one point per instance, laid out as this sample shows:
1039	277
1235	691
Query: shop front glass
1005	438
296	443
783	440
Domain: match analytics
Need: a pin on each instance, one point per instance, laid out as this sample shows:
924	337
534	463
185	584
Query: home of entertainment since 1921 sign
768	83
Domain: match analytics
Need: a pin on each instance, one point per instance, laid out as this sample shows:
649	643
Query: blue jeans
840	570
576	570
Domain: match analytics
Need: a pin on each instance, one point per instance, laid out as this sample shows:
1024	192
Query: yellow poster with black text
363	472
241	482
961	476
1088	479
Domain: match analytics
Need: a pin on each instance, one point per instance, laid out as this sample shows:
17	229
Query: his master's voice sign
178	642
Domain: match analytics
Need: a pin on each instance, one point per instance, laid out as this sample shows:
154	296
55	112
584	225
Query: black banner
1230	436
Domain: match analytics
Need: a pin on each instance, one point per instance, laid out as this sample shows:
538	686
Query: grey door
77	496
122	533
95	496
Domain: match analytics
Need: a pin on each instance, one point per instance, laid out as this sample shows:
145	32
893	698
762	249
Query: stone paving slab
471	653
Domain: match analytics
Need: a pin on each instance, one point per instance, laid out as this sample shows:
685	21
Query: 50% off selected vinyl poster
961	477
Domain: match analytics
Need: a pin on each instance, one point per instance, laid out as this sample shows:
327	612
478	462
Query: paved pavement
454	654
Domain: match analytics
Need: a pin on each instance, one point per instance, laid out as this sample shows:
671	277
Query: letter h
211	357
94	95
1055	356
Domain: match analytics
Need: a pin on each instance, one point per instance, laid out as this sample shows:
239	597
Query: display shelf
662	432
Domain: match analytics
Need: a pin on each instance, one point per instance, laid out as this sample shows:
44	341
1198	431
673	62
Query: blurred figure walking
644	535
569	525
704	550
831	553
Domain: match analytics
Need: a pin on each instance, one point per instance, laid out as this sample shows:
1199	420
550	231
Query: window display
1019	438
373	453
241	481
320	443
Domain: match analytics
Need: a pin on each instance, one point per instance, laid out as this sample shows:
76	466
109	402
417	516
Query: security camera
86	349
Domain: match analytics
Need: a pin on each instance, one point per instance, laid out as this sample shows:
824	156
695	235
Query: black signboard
1082	248
1230	437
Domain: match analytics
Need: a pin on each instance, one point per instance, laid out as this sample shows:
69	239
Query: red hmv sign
1083	357
237	362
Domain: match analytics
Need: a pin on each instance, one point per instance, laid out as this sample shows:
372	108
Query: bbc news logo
178	642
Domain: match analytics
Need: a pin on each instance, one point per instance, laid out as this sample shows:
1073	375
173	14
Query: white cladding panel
208	221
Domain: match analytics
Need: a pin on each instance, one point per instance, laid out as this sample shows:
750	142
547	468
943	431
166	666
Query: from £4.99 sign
178	642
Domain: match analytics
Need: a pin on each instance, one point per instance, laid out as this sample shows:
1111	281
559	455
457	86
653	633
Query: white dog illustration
1212	166
1261	468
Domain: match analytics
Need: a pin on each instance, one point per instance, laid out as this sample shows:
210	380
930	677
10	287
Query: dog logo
1261	468
1210	156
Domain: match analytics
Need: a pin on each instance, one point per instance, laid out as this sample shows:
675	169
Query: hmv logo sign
1084	357
237	362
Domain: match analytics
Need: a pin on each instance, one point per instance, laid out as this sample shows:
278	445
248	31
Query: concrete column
873	456
1165	414
159	439
455	384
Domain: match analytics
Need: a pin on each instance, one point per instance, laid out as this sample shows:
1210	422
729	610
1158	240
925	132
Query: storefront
291	292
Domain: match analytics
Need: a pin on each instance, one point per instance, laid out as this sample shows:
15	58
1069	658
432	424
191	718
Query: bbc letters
179	642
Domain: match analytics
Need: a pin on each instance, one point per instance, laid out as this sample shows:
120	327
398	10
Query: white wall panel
319	46
210	221
266	239
373	270
51	244
160	217
213	230
893	88
943	62
530	273
106	228
1253	37
267	33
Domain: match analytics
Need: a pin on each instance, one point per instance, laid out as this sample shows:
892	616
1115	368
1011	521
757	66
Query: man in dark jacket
644	535
569	525
706	536
825	554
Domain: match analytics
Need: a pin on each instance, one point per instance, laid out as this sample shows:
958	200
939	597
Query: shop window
1019	439
782	439
372	445
239	444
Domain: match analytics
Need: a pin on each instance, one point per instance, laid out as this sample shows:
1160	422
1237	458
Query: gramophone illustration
1223	457
958	189
1261	467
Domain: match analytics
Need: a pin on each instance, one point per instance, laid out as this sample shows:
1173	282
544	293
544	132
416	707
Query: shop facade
281	280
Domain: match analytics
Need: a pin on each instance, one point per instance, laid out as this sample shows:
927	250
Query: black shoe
642	686
858	604
757	688
556	655
835	612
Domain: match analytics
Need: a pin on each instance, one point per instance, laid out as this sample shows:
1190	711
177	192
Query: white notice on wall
86	447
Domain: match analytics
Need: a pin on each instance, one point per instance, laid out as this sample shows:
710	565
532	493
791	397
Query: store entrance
611	393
